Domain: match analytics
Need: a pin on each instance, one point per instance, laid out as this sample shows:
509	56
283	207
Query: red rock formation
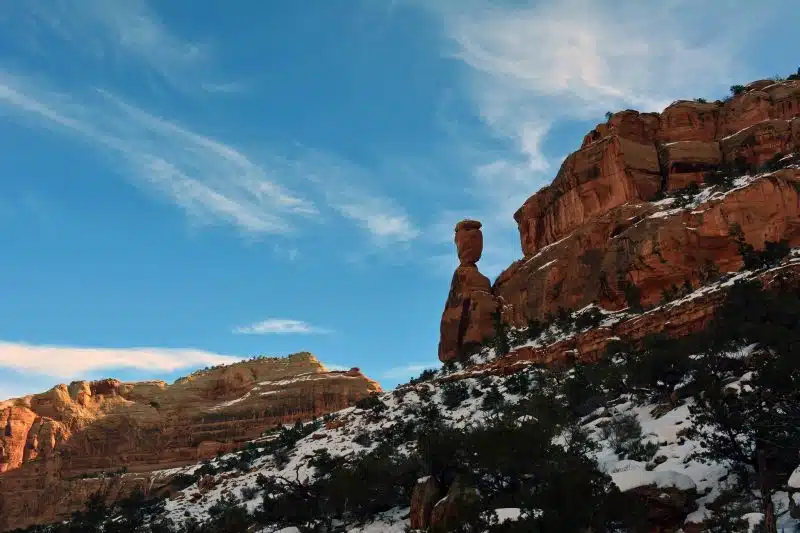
50	441
689	121
688	161
469	242
467	320
591	181
638	243
592	234
423	498
675	320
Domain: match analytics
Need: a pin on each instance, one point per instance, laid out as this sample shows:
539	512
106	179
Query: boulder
469	241
454	509
424	496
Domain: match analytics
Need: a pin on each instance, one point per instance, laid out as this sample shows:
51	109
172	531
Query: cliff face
55	446
597	231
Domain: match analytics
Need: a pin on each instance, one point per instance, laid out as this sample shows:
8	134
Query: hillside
59	447
663	437
636	370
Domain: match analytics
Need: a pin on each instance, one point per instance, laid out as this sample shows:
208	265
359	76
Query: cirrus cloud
71	362
280	326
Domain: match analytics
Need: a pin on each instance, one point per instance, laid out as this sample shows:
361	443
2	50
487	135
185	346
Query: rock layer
58	447
641	244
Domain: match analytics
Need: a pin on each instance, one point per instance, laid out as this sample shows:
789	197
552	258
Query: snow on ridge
631	479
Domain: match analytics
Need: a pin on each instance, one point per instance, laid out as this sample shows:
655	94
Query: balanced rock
469	241
468	318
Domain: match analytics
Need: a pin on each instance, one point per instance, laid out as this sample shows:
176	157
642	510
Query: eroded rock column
467	320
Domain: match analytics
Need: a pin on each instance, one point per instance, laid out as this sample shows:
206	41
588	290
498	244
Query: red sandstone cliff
594	232
50	441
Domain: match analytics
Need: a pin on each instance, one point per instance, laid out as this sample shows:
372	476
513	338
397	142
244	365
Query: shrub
454	393
248	493
590	318
500	341
425	393
709	272
535	328
426	375
719	178
633	295
363	438
772	254
659	366
519	383
737	89
371	403
773	164
493	400
624	434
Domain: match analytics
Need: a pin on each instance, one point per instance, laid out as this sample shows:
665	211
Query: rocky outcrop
686	162
677	319
593	180
59	447
634	155
468	318
453	510
423	498
597	235
650	246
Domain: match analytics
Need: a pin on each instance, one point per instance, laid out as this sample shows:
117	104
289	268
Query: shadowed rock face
468	315
49	440
593	231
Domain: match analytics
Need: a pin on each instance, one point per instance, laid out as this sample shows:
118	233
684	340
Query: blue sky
184	183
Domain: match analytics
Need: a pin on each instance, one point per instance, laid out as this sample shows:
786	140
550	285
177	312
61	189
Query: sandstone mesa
60	447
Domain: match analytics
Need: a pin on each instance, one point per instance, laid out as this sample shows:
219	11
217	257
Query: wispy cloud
409	371
225	88
67	362
212	181
383	221
118	33
280	326
290	253
336	368
347	189
529	67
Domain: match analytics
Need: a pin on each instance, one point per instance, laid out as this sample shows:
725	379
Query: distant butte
49	441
